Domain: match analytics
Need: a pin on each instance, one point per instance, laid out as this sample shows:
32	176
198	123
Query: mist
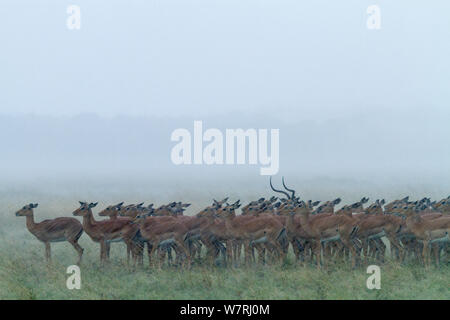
88	114
378	154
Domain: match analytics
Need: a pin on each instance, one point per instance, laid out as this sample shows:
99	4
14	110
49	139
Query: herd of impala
265	229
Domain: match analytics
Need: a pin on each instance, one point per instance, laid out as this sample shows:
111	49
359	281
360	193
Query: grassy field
25	275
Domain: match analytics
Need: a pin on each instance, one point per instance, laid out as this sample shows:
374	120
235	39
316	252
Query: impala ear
382	202
82	203
405	199
91	205
185	205
337	201
315	203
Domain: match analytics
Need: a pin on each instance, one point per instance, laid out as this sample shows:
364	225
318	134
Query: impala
104	231
53	230
428	231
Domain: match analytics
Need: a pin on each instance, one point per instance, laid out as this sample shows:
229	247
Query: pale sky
360	112
299	59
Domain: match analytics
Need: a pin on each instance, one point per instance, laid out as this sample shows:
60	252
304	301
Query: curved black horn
279	191
290	190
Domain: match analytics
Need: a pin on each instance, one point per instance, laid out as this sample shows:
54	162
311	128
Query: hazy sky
351	104
300	59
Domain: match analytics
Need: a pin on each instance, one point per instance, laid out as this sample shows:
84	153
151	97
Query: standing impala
54	230
105	231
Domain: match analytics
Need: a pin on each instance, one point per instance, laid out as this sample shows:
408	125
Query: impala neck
88	219
290	222
304	218
30	222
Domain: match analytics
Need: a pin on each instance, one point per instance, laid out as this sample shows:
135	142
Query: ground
25	275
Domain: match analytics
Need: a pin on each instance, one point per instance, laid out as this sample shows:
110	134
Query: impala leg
381	250
152	249
261	253
162	257
348	245
309	251
365	248
278	250
48	257
200	246
181	247
395	246
131	250
318	249
248	252
128	254
437	252
149	253
102	251
239	251
295	248
235	249
79	250
108	250
229	244
169	255
425	253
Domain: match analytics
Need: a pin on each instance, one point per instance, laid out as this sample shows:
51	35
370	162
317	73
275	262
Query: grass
25	275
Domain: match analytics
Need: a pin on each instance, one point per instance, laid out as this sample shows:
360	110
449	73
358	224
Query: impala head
348	209
179	208
328	207
84	209
165	209
128	211
229	209
301	207
312	204
410	209
27	210
392	207
246	209
376	207
140	218
288	209
358	207
443	205
207	212
218	204
111	210
147	210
